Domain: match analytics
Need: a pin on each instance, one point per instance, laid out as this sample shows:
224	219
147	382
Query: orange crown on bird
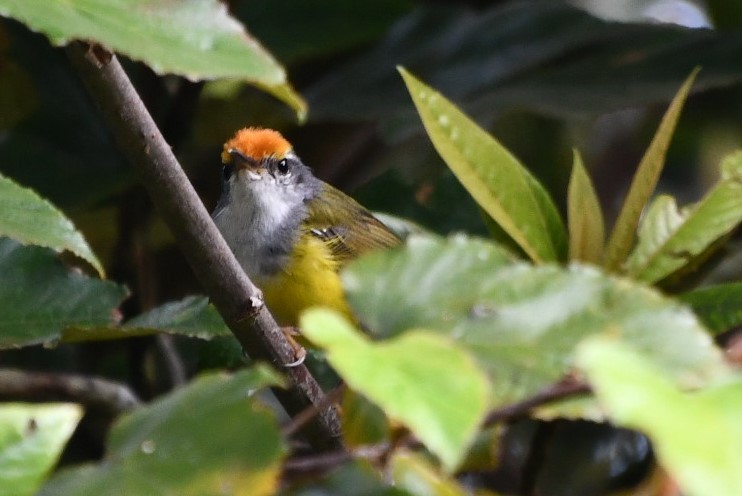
257	143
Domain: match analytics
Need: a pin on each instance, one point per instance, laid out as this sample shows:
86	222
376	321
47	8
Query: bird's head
261	171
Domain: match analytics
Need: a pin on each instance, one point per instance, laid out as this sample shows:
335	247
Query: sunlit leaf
414	474
28	218
423	380
672	239
719	307
585	217
31	440
198	40
492	175
645	179
522	322
697	436
39	297
210	437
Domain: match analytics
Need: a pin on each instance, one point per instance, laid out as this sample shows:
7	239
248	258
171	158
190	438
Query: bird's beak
242	161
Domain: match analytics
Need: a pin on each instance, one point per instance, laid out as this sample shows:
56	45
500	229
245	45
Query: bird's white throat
256	218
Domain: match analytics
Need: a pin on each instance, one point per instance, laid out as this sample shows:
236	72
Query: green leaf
423	380
645	179
358	478
192	316
414	474
521	322
39	297
198	40
697	436
492	175
670	240
28	218
717	306
31	440
585	217
210	437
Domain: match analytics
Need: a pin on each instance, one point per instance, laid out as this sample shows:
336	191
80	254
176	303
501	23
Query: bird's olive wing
347	227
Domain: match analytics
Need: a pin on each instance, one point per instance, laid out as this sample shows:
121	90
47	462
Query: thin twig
559	391
327	461
108	396
309	413
175	367
239	302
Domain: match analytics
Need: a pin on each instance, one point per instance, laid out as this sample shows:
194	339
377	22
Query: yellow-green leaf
645	180
413	473
421	379
31	439
585	217
697	436
492	175
670	240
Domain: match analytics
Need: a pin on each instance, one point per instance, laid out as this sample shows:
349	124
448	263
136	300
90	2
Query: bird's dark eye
227	171
283	166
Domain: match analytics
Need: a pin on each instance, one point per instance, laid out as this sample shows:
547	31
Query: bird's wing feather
345	226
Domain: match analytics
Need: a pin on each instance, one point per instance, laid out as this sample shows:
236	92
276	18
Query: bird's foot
300	353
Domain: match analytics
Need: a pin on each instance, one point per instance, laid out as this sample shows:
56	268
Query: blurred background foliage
542	76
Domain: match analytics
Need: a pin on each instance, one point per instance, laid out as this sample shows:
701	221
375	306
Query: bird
290	231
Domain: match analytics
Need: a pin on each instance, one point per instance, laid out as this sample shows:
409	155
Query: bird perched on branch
290	231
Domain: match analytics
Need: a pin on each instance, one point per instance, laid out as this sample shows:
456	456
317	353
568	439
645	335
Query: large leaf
492	175
421	379
697	436
210	437
585	217
31	440
198	40
719	307
39	296
522	322
642	185
28	218
192	316
670	240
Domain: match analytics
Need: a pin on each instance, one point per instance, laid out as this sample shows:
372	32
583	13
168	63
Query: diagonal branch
239	302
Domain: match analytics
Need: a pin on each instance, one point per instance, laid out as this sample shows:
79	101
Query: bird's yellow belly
310	279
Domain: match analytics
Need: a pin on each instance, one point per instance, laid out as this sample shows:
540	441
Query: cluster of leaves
466	326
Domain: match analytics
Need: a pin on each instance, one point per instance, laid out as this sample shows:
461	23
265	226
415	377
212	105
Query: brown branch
302	418
93	392
566	388
324	462
239	302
